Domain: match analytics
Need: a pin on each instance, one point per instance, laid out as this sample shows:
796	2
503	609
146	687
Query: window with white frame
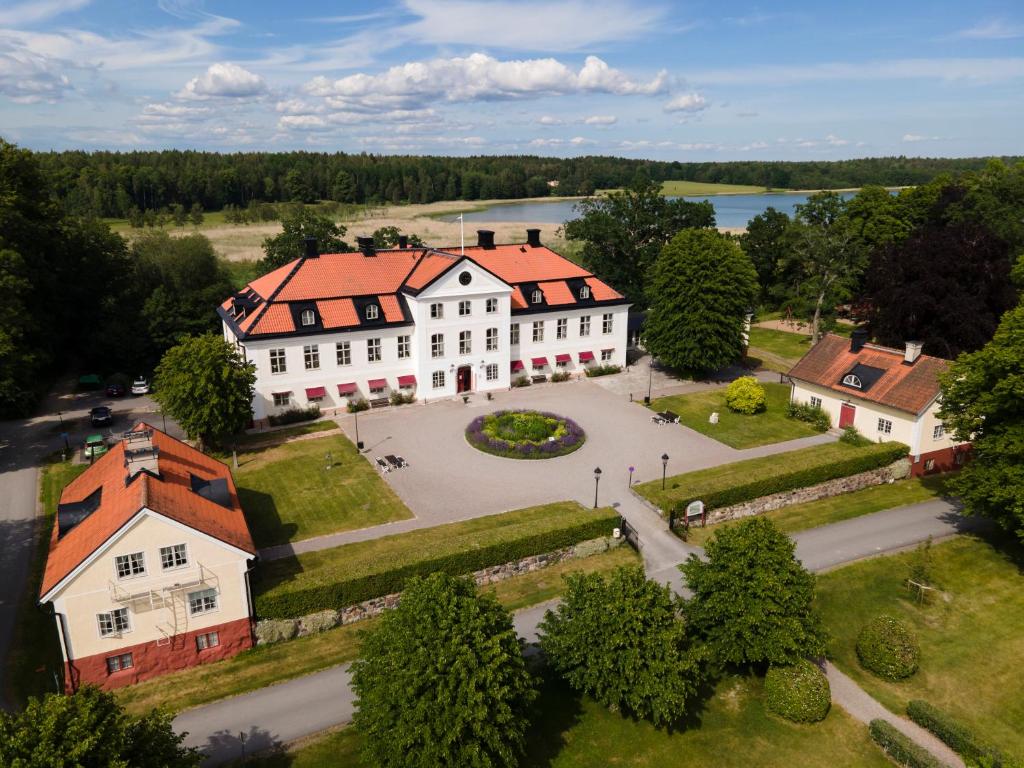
851	380
938	431
308	317
513	335
465	308
606	355
537	297
372	311
119	662
606	323
175	556
492	306
203	601
437	345
373	350
129	565
465	342
404	347
436	311
585	325
113	623
562	328
277	361
207	640
538	330
584	291
282	399
492	372
492	339
311	354
438	379
343	352
885	426
815	402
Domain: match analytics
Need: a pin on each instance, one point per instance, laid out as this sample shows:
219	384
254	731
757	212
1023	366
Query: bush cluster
812	414
852	436
746	395
295	415
902	750
388	580
886	647
603	370
354	406
799	693
521	381
525	434
954	734
558	376
398	397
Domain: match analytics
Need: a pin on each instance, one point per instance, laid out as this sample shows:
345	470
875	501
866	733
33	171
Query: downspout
62	636
248	600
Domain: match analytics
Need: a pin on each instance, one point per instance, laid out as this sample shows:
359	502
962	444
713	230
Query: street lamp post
359	444
632	469
597	481
650	380
664	469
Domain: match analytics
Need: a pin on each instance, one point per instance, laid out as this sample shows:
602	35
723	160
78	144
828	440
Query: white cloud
580	141
163	109
995	29
687	102
224	80
37	10
27	77
601	120
834	141
753	146
302	122
976	69
549	120
914	137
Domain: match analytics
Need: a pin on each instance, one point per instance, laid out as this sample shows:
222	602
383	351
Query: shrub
401	398
354	406
746	395
851	436
899	748
295	415
954	734
603	370
521	381
558	376
812	414
799	693
888	648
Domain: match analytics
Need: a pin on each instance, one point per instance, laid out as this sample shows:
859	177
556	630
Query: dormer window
537	297
308	317
372	312
851	380
585	292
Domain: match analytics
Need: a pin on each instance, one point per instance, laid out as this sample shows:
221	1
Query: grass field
812	514
289	493
736	429
972	647
694	188
270	435
777	350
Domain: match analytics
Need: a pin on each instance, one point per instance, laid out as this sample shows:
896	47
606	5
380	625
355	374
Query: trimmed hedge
365	571
900	749
745	480
953	733
800	693
886	647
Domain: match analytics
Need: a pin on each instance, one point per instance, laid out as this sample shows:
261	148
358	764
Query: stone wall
276	630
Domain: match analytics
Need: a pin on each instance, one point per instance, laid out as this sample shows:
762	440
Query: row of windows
885	425
562	328
134	563
437	378
117	621
342	354
122	661
465	308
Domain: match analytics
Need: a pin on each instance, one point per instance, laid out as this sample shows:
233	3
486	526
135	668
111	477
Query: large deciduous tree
983	402
702	286
296	227
442	681
623	232
620	640
768	241
206	386
752	600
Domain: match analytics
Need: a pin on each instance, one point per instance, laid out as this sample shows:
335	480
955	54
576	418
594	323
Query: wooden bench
379	402
539	378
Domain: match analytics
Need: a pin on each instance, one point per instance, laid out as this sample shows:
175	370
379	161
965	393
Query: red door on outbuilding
846	414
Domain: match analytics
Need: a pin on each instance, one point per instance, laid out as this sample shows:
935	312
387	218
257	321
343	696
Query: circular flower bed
525	434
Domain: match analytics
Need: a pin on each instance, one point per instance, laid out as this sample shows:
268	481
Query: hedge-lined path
861	706
288	711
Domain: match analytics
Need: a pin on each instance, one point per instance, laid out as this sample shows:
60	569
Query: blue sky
670	81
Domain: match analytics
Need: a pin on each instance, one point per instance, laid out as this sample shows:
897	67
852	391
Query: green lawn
269	436
694	188
736	429
811	514
972	646
777	350
288	492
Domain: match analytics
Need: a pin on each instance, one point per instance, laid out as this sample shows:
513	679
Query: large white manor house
332	328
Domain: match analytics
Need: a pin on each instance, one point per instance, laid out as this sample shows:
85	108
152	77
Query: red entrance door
846	414
463	379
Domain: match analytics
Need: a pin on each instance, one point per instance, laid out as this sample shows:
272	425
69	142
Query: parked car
140	386
116	389
101	416
95	446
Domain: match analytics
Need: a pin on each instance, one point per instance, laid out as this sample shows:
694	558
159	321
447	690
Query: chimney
913	351
311	250
403	241
366	246
533	238
485	238
140	454
858	339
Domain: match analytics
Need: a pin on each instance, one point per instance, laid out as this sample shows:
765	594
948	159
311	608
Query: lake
730	210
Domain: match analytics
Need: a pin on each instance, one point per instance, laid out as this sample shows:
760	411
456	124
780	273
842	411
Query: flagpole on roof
462	234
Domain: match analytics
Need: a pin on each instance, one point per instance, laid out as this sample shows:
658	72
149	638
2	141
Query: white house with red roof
332	328
885	393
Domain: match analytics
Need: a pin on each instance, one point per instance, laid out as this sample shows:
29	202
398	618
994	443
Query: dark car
101	416
116	389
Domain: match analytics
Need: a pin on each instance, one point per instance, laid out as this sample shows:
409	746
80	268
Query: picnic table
665	417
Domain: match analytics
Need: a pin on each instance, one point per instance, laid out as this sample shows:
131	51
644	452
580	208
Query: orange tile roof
602	291
170	495
557	292
349	274
429	267
337	313
909	388
523	264
277	318
392	309
518	301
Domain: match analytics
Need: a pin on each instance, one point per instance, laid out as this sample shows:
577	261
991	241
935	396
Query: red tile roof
337	313
170	495
277	318
909	388
524	264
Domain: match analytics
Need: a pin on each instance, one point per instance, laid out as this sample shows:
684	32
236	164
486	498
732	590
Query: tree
701	287
344	189
621	641
768	242
982	397
387	237
752	598
90	728
178	214
623	232
296	226
442	681
195	215
297	187
827	256
206	386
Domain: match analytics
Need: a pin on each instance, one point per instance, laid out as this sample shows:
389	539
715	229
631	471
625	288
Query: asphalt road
291	710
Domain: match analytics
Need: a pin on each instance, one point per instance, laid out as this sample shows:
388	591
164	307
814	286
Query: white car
140	386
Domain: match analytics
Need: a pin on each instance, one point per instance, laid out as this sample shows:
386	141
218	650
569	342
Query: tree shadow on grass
264	520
